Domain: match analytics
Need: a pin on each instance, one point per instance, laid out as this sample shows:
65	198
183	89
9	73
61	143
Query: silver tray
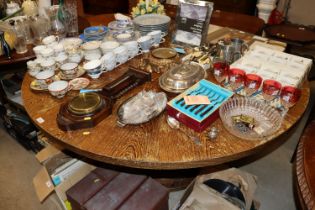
121	123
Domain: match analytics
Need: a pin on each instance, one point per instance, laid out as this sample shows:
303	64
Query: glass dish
141	108
267	119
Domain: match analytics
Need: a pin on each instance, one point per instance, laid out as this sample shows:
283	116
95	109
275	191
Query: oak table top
153	145
18	58
304	168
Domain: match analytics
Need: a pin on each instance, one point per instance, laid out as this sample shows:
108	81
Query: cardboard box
200	196
64	175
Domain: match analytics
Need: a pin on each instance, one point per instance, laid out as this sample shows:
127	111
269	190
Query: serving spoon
173	123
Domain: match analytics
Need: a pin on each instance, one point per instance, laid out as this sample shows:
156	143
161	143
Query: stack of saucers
152	22
94	33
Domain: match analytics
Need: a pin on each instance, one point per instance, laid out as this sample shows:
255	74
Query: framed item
192	22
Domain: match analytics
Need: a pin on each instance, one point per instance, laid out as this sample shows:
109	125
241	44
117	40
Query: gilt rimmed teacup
59	88
69	69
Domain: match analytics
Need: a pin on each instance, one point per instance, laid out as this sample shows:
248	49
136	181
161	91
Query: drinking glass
71	18
252	83
236	78
289	96
20	41
220	70
271	89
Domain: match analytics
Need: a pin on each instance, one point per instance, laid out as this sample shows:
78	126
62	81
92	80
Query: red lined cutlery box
199	117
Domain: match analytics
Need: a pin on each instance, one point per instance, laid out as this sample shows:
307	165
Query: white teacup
59	50
109	61
44	78
69	68
50	40
33	68
123	37
92	47
72	42
157	37
61	59
58	88
93	68
132	48
38	49
145	43
121	54
92	56
48	65
39	61
47	53
109	46
75	57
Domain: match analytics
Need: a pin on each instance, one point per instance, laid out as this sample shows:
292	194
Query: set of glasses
253	83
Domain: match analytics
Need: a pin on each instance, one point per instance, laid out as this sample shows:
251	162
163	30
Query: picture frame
192	22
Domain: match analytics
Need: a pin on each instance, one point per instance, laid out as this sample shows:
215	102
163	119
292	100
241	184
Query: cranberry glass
220	70
271	89
236	78
252	83
289	96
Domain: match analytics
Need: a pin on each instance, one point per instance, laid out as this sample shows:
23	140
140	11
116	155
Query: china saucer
79	83
80	72
36	87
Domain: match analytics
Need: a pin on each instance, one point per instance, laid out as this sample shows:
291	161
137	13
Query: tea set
59	61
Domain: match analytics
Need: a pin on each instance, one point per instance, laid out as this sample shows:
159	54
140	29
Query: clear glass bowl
267	119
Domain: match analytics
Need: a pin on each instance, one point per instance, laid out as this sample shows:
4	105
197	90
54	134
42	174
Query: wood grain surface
304	168
16	58
153	145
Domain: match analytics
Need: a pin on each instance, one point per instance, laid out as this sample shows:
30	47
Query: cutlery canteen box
106	189
199	117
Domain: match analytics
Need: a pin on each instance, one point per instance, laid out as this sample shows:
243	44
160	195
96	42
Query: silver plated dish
181	77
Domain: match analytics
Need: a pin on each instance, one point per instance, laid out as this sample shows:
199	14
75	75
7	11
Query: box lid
43	184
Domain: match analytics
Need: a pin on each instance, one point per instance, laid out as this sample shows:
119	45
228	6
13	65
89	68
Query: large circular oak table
153	145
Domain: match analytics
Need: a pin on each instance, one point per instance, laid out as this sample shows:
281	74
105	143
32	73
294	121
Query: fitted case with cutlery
199	117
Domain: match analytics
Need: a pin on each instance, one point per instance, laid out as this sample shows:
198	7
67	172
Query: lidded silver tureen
181	77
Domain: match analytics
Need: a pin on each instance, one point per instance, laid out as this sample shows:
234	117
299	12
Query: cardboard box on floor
43	183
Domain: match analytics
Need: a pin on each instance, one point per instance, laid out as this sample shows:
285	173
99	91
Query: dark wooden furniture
16	64
236	6
246	23
107	189
243	22
304	168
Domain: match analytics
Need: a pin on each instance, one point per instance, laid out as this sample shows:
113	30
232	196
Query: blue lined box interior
216	94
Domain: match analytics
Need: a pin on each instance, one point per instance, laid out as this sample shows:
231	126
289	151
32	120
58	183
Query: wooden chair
101	12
